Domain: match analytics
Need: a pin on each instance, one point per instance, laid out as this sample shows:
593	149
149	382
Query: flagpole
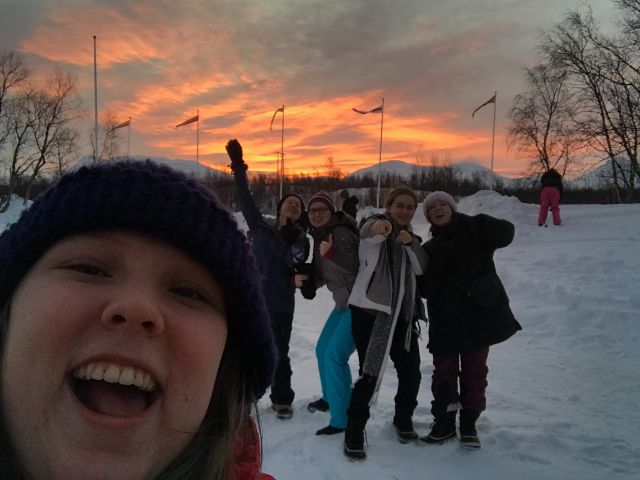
493	136
282	152
380	156
197	142
129	138
95	96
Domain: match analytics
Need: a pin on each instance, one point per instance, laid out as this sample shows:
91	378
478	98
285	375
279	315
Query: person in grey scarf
385	308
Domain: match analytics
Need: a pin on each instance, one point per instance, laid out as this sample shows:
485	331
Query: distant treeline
266	188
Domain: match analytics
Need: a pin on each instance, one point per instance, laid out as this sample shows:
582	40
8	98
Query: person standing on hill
385	309
550	192
468	312
279	249
335	263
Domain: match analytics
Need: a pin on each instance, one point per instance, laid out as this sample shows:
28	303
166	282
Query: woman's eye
87	269
190	293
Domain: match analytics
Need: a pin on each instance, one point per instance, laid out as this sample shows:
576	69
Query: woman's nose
135	311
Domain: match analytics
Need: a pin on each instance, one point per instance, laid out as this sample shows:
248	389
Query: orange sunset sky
237	61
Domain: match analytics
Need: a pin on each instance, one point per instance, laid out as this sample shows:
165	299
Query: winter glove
308	287
234	150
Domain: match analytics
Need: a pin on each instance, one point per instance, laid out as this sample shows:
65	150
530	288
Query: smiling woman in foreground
134	338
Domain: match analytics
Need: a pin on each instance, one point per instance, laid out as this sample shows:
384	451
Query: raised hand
326	245
404	237
382	227
234	150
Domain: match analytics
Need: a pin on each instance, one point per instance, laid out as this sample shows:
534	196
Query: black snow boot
319	405
404	430
442	429
354	439
468	432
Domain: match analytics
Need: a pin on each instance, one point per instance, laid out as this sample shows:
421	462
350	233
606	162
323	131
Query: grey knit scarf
402	283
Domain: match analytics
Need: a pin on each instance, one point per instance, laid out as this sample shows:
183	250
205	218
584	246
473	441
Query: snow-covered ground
563	393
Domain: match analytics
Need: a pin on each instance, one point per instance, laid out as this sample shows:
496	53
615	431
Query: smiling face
291	208
319	214
141	319
440	214
402	209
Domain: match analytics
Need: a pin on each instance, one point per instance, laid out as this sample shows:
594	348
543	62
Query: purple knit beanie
438	197
155	200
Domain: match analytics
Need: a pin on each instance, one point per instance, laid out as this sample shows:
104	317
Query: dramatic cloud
237	61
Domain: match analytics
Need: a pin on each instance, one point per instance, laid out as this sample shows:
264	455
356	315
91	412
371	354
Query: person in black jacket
279	249
550	191
468	311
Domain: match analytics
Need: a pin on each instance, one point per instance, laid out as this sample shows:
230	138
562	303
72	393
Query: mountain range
468	170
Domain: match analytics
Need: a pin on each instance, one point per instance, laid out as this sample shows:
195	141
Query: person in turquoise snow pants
335	263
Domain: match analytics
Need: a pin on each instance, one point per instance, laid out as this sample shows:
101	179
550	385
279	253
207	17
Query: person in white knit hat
468	312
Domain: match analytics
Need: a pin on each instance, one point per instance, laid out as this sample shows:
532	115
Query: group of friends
379	272
139	325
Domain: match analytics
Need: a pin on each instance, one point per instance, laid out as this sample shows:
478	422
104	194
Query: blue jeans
335	346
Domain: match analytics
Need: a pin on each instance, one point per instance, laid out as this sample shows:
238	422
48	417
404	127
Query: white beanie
437	197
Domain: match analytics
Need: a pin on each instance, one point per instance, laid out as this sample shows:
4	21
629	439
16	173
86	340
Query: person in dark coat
550	192
468	311
279	249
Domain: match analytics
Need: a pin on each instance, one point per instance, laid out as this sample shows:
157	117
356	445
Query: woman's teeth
112	373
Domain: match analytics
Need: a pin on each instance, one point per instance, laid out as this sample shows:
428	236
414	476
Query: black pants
406	363
281	392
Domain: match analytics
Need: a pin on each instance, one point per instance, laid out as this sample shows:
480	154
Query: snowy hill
464	170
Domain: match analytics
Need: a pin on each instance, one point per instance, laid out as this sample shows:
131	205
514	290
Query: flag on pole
122	125
373	110
188	121
491	100
281	109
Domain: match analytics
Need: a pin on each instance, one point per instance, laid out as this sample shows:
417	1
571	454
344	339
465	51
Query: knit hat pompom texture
323	198
158	201
438	197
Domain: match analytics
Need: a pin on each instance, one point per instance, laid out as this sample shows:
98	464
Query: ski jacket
373	286
338	267
247	455
277	254
551	178
467	304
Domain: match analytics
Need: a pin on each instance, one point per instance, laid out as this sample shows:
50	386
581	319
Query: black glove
308	288
234	150
290	232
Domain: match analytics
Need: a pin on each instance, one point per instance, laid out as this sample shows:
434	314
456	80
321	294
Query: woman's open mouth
113	390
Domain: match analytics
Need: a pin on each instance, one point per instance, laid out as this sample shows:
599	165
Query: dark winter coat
551	178
467	304
278	251
339	266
